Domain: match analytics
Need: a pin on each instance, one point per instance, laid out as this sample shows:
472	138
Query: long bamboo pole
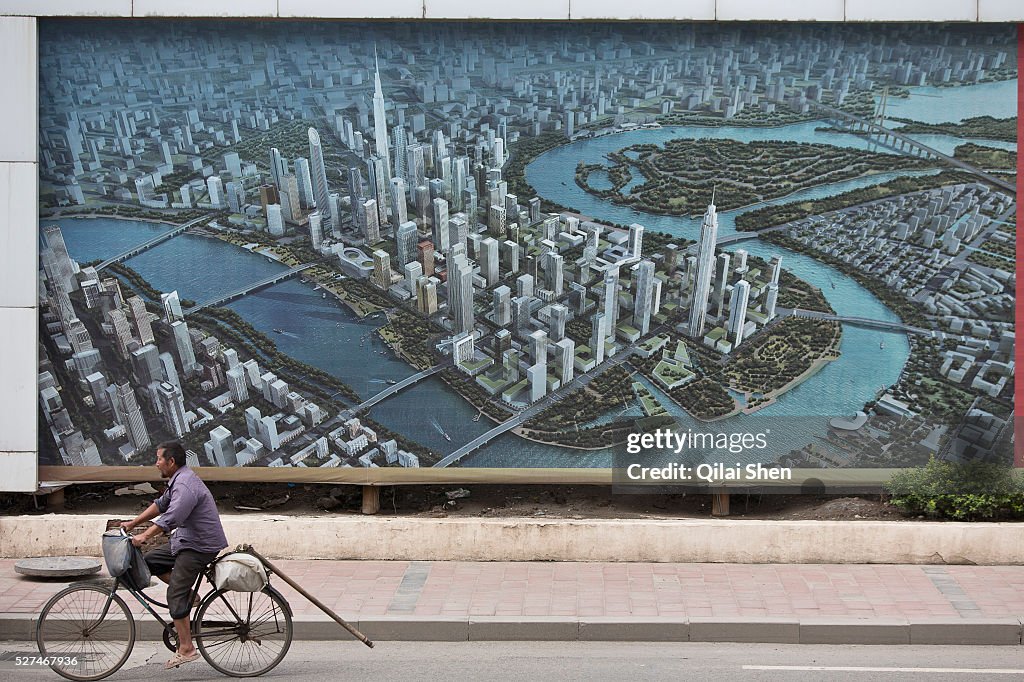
323	607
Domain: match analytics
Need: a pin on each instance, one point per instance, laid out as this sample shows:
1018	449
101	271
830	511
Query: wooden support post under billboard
720	502
55	500
371	499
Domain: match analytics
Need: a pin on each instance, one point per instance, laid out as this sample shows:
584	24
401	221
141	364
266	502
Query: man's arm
179	508
151	512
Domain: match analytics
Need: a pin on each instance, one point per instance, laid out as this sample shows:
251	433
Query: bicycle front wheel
244	634
85	632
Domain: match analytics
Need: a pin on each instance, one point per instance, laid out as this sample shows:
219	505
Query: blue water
327	334
998	100
199	268
323	333
599	180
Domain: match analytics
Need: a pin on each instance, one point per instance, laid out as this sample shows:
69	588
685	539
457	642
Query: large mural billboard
328	244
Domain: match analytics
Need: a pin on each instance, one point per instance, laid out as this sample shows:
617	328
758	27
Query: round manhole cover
57	567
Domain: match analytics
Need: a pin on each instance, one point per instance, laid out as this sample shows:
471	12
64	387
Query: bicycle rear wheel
244	634
79	639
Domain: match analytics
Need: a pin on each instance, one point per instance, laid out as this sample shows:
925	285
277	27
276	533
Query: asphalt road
548	661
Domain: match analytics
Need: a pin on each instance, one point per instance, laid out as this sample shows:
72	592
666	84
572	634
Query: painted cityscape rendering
330	244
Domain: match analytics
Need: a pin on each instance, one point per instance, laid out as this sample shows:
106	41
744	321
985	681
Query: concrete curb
971	631
532	539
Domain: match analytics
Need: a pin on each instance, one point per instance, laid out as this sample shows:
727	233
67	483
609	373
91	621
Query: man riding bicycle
188	509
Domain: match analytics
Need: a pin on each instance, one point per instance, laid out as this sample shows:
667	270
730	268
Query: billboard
324	250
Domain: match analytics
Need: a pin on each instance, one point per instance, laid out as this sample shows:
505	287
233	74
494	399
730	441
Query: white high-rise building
275	220
382	269
488	258
538	345
460	294
401	144
221	447
140	316
771	300
502	305
122	330
168	370
369	219
380	123
183	346
278	166
774	270
305	182
130	416
321	194
316	230
559	315
643	297
268	434
172	307
61	270
721	282
215	186
598	336
705	268
442	238
379	185
738	310
463	349
172	407
554	277
399	206
237	384
636	240
538	379
406	239
565	351
610	297
413	271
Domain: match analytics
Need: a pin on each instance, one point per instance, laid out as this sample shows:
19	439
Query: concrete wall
527	539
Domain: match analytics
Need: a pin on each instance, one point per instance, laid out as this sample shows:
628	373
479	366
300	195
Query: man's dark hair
173	450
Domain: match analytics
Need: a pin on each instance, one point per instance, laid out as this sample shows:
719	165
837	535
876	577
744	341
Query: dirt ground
488	501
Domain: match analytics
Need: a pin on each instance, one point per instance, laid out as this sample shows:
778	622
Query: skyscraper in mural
321	195
380	121
705	268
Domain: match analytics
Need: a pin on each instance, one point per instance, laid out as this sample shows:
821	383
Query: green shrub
963	492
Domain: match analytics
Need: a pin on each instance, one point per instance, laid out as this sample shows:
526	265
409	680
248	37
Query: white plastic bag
240	572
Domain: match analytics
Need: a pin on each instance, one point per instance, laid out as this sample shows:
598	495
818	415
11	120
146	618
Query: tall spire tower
380	122
321	192
705	268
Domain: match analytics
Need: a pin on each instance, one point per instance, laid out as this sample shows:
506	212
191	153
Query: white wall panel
18	234
697	10
912	10
69	8
18	377
18	91
18	472
791	10
205	8
1000	10
392	9
497	9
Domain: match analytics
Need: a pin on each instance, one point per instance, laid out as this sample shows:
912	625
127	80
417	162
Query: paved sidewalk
634	601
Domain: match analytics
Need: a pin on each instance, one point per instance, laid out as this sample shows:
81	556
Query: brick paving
419	589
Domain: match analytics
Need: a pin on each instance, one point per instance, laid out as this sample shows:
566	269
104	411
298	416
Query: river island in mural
331	244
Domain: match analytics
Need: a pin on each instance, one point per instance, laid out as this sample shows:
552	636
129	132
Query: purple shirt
187	507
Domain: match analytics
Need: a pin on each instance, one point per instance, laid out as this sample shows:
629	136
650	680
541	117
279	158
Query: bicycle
87	632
